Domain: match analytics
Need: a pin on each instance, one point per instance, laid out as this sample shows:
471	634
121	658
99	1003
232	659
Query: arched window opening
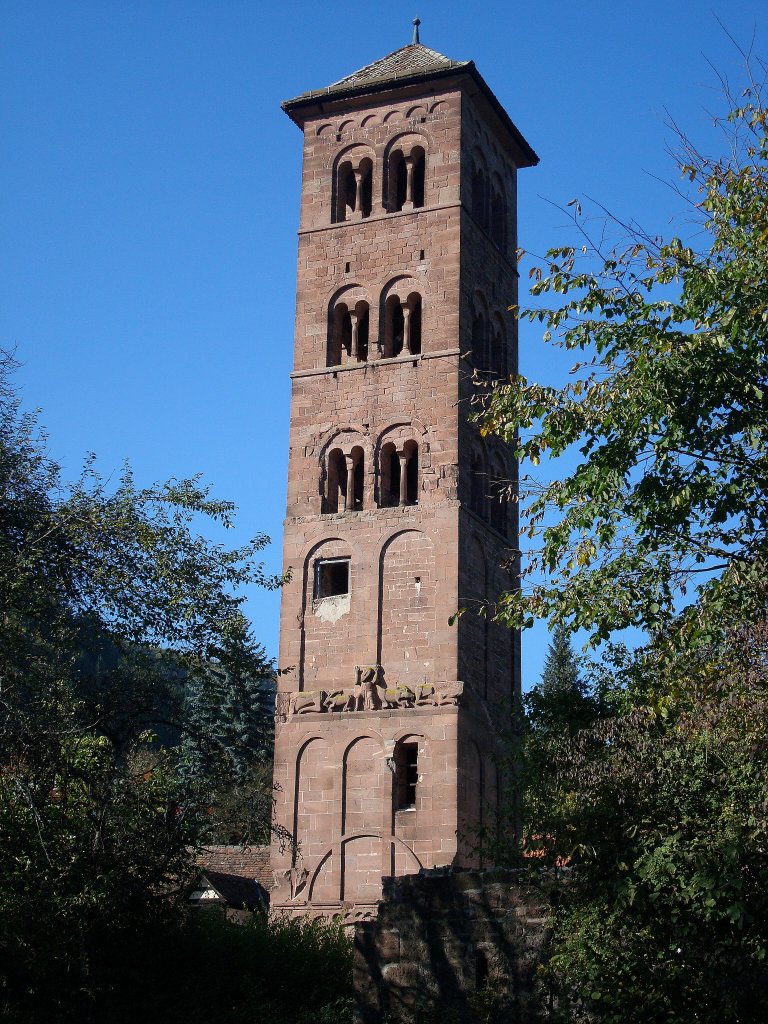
358	477
366	187
479	342
411	453
340	341
498	221
360	349
413	341
499	352
398	181
395	327
354	190
389	495
406	775
419	168
345	334
346	190
479	201
498	496
478	487
349	334
336	497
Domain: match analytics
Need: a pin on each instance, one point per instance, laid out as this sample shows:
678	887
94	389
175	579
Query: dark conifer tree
560	669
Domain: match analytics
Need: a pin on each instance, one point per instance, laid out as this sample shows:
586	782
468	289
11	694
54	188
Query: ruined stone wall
452	948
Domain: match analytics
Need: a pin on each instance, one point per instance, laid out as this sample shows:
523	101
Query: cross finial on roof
416	23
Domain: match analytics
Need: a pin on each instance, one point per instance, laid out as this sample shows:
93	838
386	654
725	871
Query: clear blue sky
149	199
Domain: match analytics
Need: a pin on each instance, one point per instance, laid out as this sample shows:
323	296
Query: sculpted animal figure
307	700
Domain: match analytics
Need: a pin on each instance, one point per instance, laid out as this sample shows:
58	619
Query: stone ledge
374	363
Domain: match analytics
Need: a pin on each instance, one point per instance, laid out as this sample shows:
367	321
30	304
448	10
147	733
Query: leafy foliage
198	968
661	804
666	408
116	619
649	781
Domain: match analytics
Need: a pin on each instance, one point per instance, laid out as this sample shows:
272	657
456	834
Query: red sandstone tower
387	723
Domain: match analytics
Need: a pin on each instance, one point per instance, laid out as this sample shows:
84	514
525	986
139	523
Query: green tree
660	805
560	669
658	802
114	614
666	407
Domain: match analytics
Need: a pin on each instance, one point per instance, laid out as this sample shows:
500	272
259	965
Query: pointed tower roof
408	66
407	62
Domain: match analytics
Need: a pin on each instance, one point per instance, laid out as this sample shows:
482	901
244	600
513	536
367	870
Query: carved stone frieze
369	693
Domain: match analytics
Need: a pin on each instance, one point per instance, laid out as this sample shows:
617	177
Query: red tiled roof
250	862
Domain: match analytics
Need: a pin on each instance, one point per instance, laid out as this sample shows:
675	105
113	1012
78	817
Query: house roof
236	891
407	66
245	861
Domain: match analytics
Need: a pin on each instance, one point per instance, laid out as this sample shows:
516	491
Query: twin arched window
402	326
354	189
348	341
398	477
400	330
399	474
489	344
489	204
403	180
488	491
345	476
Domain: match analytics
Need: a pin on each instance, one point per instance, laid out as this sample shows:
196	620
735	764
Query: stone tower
388	719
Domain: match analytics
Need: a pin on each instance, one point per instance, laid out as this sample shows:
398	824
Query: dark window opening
366	188
407	775
346	268
414	325
421	254
411	450
477	495
479	333
389	485
362	331
358	477
498	222
398	181
498	353
393	475
478	197
419	168
345	191
331	578
346	332
498	503
337	482
395	327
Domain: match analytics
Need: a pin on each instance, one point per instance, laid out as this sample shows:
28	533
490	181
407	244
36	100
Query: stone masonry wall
450	946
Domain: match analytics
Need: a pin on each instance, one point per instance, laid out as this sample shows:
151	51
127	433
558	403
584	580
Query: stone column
408	204
403	459
353	347
406	328
349	490
358	211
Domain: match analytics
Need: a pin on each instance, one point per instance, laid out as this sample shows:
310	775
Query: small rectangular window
331	578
